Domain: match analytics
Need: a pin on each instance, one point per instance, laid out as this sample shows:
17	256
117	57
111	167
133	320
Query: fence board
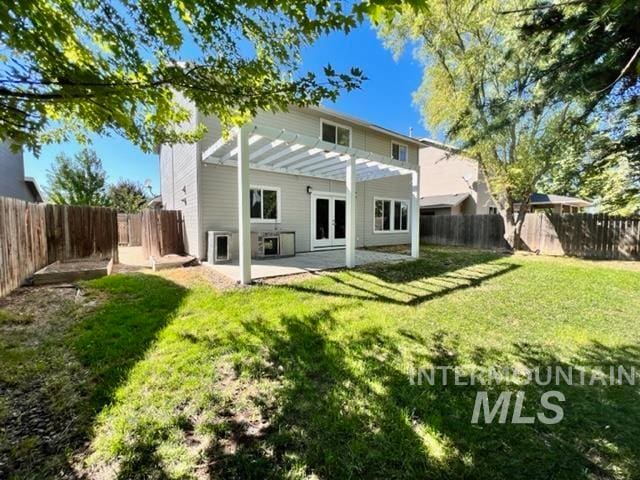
35	235
162	233
583	235
481	231
130	229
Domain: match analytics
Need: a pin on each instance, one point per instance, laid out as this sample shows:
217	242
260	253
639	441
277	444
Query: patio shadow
410	283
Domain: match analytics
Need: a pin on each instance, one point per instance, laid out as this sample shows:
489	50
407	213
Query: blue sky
385	99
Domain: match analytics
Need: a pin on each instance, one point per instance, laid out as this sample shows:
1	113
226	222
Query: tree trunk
510	228
512	223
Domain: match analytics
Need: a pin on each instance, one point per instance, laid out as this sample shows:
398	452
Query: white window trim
391	218
393	142
335	124
278	204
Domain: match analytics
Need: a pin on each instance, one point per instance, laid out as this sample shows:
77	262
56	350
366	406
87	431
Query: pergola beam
310	161
305	155
279	154
300	156
262	168
221	142
264	149
234	151
335	166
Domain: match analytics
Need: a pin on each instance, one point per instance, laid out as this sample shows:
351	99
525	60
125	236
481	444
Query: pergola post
415	214
351	212
244	219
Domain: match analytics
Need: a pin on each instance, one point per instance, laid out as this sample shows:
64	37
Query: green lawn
311	379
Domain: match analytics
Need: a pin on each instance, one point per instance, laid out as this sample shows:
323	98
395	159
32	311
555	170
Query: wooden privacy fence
35	235
23	242
162	233
480	231
582	235
130	229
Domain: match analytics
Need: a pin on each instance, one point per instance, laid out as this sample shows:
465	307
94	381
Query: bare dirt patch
36	305
41	381
190	276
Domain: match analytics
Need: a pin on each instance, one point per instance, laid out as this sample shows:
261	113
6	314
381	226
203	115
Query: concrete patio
305	263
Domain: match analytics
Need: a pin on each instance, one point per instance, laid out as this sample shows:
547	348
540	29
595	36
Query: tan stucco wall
442	172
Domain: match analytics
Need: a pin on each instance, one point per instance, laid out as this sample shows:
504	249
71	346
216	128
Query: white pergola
265	148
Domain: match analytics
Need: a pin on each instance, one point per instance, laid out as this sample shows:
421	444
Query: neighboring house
13	183
450	183
327	179
555	204
155	203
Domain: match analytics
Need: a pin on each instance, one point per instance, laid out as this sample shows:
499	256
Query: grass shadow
412	283
347	409
77	367
314	431
118	334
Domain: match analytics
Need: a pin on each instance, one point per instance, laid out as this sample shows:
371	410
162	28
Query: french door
328	220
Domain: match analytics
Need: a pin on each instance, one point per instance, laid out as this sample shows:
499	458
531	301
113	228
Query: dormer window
335	133
399	151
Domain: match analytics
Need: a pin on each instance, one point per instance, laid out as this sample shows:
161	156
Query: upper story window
264	204
399	151
335	133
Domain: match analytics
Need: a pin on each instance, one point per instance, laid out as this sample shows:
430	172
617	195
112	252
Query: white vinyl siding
307	122
218	184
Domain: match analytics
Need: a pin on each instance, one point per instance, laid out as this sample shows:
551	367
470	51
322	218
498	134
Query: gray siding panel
12	182
207	194
220	200
166	176
179	188
220	211
179	167
396	188
307	122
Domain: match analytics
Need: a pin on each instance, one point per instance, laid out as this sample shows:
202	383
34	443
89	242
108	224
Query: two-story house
13	183
303	180
451	183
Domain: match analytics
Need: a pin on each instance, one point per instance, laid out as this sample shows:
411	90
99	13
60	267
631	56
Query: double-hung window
399	151
390	215
264	204
334	133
